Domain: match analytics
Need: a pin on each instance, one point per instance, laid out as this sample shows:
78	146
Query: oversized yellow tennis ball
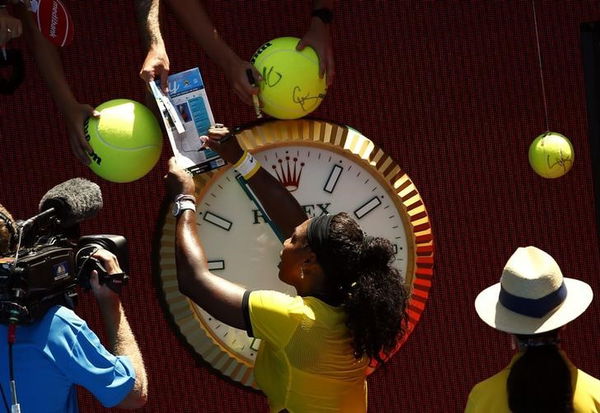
551	155
126	140
291	87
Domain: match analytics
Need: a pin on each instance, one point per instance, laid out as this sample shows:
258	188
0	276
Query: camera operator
59	351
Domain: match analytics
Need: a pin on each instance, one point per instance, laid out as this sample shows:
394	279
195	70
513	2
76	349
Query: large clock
328	168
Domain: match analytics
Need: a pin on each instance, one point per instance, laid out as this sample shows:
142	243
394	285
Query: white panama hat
532	296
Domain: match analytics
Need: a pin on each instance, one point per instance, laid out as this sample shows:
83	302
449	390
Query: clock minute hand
248	191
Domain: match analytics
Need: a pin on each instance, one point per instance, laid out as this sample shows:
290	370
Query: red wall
451	89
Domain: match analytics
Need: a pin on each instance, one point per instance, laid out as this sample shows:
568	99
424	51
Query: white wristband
247	165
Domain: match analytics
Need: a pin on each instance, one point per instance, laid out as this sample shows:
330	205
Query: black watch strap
325	14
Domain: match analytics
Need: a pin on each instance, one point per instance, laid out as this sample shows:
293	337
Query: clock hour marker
368	207
255	344
218	221
214	265
332	181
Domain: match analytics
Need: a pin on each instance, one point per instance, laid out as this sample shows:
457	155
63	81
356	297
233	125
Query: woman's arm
221	298
279	204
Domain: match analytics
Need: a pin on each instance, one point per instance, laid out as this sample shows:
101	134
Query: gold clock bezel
340	139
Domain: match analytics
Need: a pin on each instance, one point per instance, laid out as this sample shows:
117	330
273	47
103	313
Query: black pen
255	100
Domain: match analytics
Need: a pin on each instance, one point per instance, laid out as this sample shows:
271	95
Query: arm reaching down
156	63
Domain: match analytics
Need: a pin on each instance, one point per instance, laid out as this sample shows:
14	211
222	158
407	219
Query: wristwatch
325	14
183	202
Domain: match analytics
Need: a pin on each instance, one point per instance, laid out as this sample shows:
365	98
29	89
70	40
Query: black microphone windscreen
73	200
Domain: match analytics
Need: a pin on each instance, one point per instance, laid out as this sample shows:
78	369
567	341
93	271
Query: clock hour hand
248	191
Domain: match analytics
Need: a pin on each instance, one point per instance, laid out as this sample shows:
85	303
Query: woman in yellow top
533	302
350	306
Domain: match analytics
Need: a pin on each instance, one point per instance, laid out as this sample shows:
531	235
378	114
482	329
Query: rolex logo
289	171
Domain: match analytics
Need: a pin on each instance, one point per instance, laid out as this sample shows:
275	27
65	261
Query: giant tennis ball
551	155
126	140
290	87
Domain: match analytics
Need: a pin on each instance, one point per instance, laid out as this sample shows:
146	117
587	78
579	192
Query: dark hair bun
377	252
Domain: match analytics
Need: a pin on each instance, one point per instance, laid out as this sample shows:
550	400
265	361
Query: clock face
341	170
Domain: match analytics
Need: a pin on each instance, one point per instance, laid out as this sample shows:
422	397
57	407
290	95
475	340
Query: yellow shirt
305	362
490	395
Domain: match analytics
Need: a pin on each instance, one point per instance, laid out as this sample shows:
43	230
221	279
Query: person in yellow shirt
350	306
533	302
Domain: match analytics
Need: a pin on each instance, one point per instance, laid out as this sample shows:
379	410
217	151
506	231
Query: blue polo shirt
56	353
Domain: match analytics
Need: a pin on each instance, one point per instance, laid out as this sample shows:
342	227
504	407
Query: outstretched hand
237	77
10	27
156	65
319	38
75	116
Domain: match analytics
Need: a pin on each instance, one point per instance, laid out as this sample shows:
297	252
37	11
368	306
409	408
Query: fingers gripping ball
126	140
551	155
290	86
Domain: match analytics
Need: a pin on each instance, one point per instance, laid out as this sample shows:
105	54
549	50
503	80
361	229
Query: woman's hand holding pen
224	142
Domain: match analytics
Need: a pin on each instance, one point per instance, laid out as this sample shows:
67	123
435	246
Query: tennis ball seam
300	54
137	148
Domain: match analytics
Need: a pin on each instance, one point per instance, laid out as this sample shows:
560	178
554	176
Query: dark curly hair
361	279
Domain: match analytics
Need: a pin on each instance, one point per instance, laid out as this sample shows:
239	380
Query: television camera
50	260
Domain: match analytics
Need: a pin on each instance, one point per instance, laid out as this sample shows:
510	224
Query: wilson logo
93	155
54	19
259	51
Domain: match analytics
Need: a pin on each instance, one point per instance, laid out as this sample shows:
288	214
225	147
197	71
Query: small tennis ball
290	86
551	155
126	140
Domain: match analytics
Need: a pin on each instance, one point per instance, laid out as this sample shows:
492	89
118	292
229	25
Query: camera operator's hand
179	180
110	263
